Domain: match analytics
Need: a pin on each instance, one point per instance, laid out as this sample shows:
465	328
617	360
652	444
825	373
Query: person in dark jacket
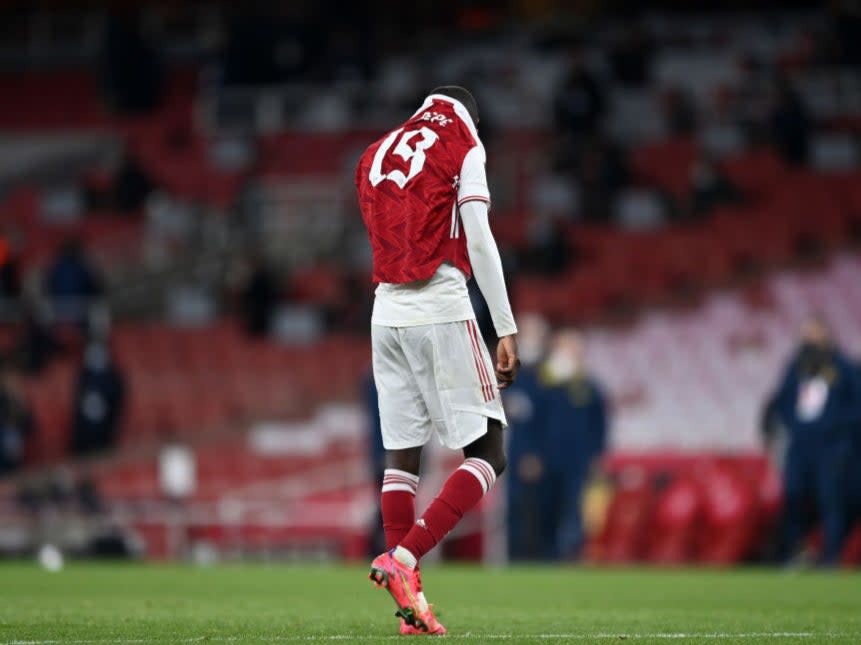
99	402
855	471
71	283
575	414
819	403
523	407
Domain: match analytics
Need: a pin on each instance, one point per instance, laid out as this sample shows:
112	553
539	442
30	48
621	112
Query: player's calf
485	459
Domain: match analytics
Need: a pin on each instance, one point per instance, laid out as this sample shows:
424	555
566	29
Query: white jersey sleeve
487	265
473	178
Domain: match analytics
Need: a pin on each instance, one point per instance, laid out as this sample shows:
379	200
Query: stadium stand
708	306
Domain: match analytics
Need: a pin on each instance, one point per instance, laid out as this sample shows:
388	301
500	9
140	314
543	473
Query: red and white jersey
410	184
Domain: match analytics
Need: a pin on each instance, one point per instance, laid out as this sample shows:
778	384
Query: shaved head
460	94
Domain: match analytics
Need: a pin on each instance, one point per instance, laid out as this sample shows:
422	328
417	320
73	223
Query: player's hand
507	362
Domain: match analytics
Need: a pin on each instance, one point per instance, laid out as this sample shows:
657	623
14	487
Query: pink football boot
404	586
409	630
436	630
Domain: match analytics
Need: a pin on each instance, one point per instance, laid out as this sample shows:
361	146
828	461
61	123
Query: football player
424	198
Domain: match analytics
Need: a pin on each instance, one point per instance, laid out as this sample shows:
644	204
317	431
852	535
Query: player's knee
408	460
496	459
490	447
499	463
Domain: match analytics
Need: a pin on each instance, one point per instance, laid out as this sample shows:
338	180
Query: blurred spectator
131	185
523	406
132	75
258	297
548	251
579	104
680	112
819	402
99	402
16	419
71	283
789	123
710	187
575	418
855	476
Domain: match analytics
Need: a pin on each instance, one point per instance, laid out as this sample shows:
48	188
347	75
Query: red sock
398	504
462	490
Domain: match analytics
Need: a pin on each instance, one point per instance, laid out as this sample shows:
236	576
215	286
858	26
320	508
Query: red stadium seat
852	550
730	517
757	172
625	534
673	530
666	164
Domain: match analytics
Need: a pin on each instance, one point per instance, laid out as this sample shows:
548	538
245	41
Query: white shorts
434	379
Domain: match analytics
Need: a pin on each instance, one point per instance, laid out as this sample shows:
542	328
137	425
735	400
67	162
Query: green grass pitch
142	605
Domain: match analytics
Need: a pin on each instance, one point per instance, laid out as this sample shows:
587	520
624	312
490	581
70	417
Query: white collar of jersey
459	109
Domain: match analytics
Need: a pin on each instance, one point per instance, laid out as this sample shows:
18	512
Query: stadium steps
187	381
